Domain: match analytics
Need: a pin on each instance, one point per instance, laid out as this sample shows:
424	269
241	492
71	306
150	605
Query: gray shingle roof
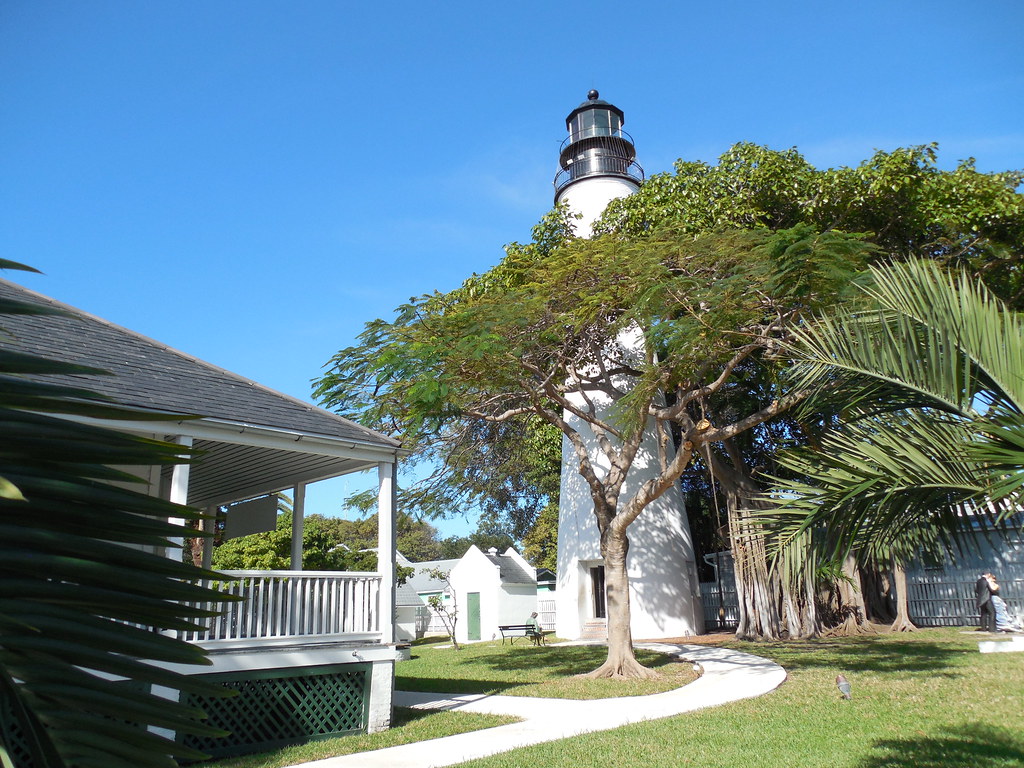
153	376
510	571
406	595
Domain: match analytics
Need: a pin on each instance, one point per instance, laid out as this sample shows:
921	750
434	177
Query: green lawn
526	670
922	700
408	726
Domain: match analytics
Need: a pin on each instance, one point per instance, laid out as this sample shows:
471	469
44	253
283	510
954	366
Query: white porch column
178	494
386	493
298	524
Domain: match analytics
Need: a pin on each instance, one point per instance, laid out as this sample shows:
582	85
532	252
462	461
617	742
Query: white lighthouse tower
598	165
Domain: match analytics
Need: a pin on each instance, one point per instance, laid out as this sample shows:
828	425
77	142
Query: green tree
506	473
328	544
711	267
908	208
490	534
930	378
540	544
84	602
542	334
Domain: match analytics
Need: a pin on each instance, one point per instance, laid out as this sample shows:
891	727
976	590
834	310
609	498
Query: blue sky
252	181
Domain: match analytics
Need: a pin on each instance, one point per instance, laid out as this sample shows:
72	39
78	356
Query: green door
473	616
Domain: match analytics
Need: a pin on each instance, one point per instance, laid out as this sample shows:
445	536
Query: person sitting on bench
533	629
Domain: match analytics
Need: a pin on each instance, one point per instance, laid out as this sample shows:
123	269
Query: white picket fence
282	605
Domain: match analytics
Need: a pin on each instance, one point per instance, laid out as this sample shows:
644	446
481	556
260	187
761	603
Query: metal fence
937	597
721	606
939	600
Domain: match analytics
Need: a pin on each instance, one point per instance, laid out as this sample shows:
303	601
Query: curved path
727	676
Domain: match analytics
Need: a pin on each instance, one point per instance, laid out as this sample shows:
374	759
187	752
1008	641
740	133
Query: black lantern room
596	145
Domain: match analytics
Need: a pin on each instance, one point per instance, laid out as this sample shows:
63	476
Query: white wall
499	604
589	197
411	622
475	573
518	601
664	590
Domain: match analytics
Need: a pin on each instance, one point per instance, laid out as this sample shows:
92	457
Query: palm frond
933	446
86	600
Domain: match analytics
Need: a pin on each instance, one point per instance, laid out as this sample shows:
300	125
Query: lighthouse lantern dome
596	147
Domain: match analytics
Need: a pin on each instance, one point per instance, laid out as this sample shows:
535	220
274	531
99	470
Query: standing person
1001	615
983	594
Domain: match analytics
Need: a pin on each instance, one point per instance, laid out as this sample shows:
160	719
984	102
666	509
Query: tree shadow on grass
868	654
455	685
976	746
566	660
557	661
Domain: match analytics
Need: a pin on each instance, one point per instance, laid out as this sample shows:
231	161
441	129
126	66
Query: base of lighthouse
664	591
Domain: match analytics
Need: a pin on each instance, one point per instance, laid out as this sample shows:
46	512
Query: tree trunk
621	663
851	603
757	591
791	611
902	622
811	623
878	593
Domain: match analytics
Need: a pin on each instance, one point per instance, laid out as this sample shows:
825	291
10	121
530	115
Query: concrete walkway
727	676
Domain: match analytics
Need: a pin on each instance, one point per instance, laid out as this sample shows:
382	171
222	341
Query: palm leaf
930	380
84	609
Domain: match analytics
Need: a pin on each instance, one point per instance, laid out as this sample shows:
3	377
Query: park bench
512	631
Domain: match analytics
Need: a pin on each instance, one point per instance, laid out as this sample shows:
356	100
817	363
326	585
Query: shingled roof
150	375
251	439
510	571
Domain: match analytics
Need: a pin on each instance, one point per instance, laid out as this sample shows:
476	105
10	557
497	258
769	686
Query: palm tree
929	382
83	606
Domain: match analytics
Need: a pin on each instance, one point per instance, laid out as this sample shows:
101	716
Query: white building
492	589
598	164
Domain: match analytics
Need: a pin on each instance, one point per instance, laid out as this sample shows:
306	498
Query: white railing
282	605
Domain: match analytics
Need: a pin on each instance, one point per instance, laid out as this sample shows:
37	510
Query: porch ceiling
227	472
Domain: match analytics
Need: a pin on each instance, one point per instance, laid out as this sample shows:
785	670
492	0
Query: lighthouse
597	165
597	161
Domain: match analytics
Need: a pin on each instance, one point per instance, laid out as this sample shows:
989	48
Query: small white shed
492	589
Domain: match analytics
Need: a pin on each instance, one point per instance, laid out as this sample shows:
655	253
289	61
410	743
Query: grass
921	700
525	670
409	726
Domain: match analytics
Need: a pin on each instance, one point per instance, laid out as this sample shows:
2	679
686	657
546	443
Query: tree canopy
550	332
328	544
672	318
902	199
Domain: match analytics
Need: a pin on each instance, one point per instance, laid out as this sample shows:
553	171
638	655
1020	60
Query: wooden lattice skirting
277	707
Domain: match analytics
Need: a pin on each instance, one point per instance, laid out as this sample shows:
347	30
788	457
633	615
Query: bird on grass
844	686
